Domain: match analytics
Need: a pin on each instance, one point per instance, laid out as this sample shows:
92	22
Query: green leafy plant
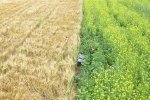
113	38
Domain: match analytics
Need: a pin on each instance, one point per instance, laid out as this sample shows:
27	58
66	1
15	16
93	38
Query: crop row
143	8
115	40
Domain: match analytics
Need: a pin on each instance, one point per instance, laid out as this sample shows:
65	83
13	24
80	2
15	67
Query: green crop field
115	38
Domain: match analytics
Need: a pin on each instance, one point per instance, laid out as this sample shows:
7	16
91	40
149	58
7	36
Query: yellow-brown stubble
38	46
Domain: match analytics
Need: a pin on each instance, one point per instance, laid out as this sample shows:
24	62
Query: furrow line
13	50
19	12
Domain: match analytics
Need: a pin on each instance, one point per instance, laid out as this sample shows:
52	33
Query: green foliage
115	40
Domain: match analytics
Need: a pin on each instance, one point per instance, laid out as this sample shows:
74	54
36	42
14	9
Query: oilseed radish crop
118	67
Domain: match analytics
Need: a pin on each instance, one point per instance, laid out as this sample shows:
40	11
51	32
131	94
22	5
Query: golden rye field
38	46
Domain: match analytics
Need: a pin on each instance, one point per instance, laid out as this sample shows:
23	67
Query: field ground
38	48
